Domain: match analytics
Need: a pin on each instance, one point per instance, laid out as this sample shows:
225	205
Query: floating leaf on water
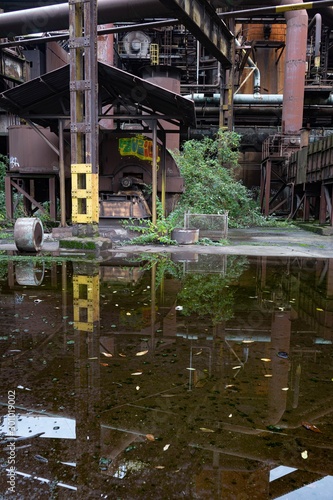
191	369
236	367
130	448
268	375
104	364
283	355
128	314
113	326
159	467
141	353
310	427
319	309
150	437
179	308
253	296
136	373
204	429
95	357
274	428
198	353
285	389
107	354
122	355
265	360
70	342
304	454
166	447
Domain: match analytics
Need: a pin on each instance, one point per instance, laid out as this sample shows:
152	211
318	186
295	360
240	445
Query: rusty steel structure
84	113
265	72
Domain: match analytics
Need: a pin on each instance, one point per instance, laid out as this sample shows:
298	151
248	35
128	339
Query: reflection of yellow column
86	297
153	305
85	302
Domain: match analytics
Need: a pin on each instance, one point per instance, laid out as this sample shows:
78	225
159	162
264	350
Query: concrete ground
291	241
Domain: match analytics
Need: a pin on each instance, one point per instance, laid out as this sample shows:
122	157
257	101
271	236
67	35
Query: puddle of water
167	376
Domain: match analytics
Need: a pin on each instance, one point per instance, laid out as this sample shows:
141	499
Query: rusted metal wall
56	56
269	58
313	163
29	153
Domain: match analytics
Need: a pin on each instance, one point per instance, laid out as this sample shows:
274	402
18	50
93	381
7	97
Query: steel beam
278	9
203	22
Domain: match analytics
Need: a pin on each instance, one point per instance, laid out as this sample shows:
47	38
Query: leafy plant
209	169
159	232
211	294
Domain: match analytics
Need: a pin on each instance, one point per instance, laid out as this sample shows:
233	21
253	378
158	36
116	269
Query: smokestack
294	72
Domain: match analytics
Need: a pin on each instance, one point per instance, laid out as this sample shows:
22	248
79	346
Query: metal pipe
277	9
56	17
62	175
318	21
256	72
154	173
294	71
250	99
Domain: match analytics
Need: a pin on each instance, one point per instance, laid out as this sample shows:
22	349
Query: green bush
208	167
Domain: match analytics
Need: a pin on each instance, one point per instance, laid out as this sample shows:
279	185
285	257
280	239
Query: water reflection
181	376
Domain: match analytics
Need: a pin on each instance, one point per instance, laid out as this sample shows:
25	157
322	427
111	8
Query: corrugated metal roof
49	95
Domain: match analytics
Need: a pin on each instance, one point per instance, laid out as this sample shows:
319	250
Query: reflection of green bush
209	294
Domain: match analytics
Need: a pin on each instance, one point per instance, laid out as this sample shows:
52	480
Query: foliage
209	167
210	294
163	265
159	232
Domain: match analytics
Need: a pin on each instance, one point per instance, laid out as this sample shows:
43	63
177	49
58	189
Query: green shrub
208	167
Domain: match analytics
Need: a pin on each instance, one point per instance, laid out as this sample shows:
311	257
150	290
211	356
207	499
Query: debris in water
310	427
283	355
141	353
41	459
150	437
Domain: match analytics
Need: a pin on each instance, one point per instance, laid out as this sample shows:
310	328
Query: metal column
84	116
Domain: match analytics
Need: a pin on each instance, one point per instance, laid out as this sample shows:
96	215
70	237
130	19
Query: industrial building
190	68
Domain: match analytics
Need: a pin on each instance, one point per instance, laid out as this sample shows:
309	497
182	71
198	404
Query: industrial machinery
125	173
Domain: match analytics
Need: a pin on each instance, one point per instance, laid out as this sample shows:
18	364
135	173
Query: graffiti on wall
138	146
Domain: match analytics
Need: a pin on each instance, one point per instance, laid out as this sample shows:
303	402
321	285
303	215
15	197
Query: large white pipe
55	17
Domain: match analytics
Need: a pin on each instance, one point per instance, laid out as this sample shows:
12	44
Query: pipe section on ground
294	71
28	234
56	17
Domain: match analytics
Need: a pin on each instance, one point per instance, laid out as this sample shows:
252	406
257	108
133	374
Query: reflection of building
229	398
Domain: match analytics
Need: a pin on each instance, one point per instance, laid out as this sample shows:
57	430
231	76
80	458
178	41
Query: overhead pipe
251	99
56	17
